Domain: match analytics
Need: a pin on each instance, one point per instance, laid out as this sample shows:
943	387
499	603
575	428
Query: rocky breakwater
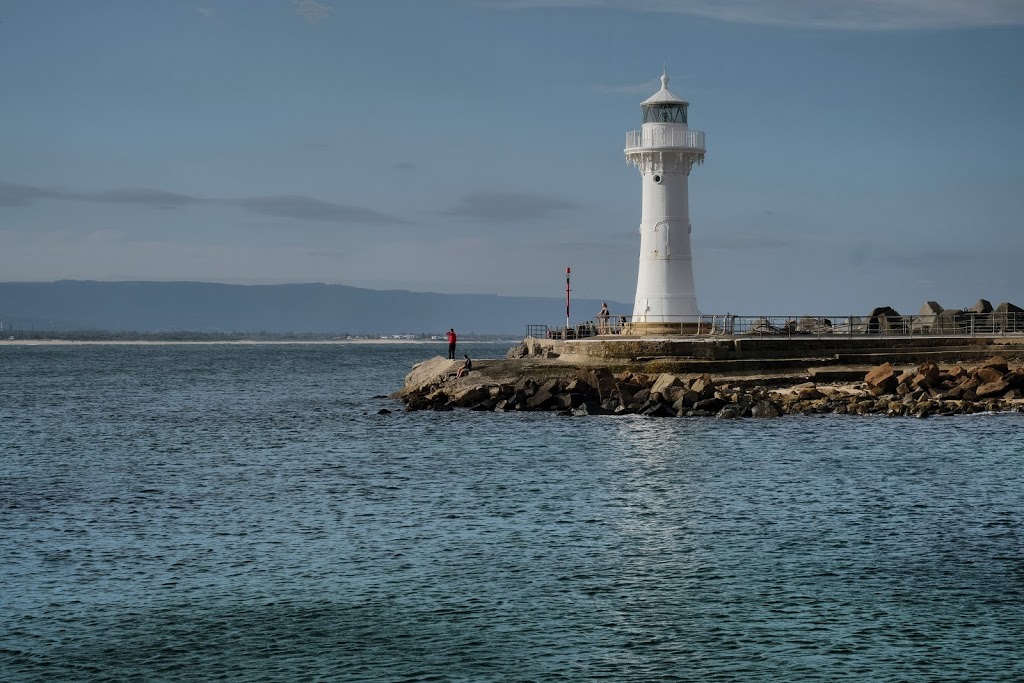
930	389
920	391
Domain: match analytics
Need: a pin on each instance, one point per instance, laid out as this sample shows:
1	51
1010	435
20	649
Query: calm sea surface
194	513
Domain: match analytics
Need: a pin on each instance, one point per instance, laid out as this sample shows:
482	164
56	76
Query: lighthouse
664	150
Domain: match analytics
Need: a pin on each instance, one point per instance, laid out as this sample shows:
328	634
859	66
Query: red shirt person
452	338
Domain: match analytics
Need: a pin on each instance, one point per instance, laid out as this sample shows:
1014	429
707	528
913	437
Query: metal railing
665	137
946	324
537	331
613	325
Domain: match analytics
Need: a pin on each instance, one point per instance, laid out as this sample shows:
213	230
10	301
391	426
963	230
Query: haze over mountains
280	309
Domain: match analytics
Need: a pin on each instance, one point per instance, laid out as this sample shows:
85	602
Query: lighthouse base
642	329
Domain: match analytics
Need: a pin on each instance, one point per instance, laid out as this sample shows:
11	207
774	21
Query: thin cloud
309	209
141	197
206	12
23	195
864	15
12	195
280	206
312	11
508	206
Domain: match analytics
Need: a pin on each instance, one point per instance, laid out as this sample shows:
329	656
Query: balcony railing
660	138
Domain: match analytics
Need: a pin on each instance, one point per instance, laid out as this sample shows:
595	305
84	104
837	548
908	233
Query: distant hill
333	309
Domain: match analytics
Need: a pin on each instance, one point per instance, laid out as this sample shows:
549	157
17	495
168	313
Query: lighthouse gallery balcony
660	138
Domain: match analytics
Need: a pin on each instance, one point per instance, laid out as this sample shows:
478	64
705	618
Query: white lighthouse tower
664	151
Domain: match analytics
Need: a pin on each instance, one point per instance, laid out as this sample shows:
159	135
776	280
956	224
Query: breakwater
681	378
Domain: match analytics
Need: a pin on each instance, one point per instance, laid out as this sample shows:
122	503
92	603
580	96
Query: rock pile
928	389
922	391
525	349
980	318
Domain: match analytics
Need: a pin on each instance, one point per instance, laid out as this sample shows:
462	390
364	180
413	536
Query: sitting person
466	367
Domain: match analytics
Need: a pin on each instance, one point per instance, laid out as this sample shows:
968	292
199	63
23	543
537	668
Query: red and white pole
566	298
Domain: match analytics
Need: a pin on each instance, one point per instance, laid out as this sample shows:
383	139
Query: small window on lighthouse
665	113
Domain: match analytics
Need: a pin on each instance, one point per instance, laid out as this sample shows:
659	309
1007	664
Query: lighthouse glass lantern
664	150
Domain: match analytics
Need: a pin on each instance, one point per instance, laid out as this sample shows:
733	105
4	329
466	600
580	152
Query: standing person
602	319
452	338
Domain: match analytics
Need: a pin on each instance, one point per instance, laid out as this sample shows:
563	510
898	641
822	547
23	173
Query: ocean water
242	513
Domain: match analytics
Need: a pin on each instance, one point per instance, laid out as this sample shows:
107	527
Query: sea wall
839	347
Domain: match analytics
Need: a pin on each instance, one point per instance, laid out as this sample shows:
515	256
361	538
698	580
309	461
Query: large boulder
764	326
982	307
1008	318
710	405
520	350
601	380
578	385
885	320
765	408
1015	378
703	387
654	409
951	321
427	374
987	375
926	318
589	408
469	396
997	363
979	319
664	382
546	396
561	402
990	389
927	376
527	385
957	372
882	378
625	391
808	325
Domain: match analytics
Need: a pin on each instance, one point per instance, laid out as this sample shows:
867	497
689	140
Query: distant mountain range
280	309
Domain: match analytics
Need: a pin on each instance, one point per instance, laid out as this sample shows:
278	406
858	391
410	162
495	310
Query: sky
860	153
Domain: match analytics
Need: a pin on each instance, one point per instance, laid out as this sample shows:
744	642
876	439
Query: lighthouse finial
664	76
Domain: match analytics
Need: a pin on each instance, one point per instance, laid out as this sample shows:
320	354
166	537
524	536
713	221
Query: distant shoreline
235	342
